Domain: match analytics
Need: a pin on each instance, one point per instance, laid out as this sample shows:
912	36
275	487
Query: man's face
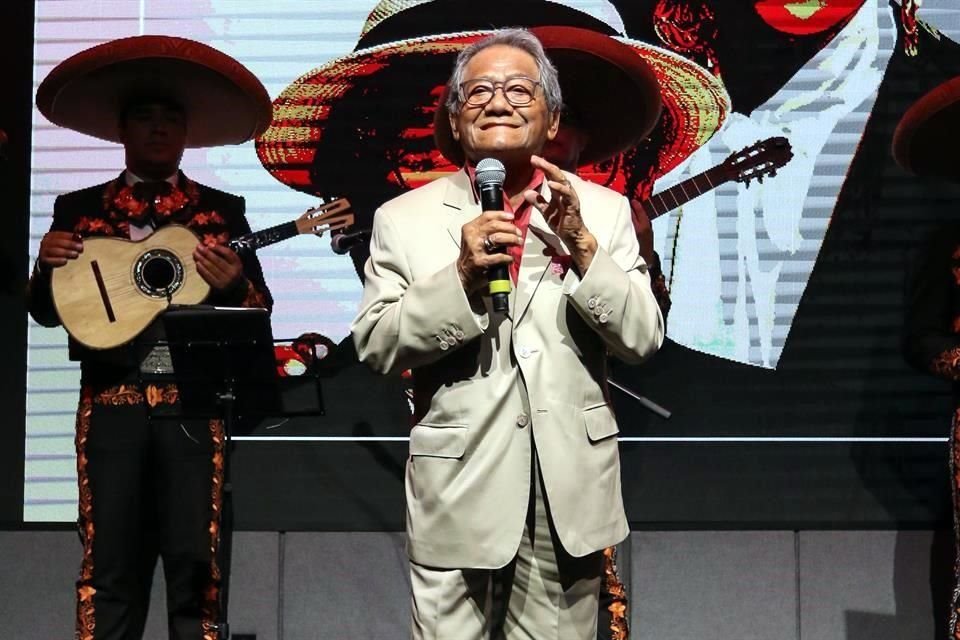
499	129
154	136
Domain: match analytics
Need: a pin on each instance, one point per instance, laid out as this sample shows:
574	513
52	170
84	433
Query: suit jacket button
603	318
592	302
443	345
524	352
523	420
459	335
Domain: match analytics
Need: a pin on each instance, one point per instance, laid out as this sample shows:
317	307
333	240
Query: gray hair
518	39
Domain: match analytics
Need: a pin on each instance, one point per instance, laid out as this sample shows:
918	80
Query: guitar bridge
103	291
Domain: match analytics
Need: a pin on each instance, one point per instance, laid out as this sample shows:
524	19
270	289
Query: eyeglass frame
499	84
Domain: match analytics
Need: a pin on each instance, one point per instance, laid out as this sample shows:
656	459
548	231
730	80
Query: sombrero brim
224	101
928	134
589	64
394	21
306	112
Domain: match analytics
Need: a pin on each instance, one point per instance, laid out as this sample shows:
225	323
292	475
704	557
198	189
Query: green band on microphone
499	286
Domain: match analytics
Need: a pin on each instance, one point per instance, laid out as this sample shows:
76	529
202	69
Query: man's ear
453	126
554	125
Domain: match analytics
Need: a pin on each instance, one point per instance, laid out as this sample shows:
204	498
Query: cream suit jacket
487	390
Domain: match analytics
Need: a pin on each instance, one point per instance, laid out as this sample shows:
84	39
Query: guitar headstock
329	216
759	160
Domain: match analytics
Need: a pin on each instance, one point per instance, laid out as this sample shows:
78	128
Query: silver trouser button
523	420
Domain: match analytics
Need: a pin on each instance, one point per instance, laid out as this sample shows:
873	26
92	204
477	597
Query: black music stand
224	365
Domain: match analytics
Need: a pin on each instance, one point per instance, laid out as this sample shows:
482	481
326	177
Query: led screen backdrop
786	293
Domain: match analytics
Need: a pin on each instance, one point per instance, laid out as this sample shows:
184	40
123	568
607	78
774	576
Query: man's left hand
220	266
562	213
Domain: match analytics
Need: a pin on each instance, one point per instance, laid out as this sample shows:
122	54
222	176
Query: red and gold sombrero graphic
926	139
365	120
224	101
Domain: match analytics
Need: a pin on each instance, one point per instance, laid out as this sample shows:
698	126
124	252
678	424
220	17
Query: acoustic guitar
116	287
763	158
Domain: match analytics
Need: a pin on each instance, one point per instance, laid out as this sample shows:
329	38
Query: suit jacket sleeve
929	343
405	323
39	298
618	284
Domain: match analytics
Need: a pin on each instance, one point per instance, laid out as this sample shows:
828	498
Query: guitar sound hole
158	273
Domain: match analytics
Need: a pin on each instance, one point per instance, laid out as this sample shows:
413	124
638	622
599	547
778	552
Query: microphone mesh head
490	171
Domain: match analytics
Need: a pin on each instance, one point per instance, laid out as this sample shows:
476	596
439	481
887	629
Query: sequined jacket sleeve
39	301
931	331
658	282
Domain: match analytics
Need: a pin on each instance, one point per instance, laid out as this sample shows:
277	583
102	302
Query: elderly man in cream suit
513	479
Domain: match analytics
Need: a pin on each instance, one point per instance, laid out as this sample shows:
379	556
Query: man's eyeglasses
519	92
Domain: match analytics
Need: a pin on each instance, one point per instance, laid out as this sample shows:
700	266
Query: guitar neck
682	193
264	237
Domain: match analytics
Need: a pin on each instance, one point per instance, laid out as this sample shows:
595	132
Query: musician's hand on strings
57	247
219	265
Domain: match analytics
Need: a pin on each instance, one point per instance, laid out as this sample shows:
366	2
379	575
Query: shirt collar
131	178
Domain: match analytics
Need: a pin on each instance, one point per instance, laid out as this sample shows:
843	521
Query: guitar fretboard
680	194
264	237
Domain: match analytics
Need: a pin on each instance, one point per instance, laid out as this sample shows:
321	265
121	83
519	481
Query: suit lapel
539	248
541	245
459	198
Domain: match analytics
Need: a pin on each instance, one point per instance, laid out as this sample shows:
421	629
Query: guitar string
125	277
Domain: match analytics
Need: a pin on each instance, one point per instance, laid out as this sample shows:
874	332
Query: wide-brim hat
224	102
591	66
367	117
755	45
928	134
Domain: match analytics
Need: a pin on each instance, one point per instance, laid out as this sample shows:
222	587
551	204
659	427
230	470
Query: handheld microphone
343	242
490	176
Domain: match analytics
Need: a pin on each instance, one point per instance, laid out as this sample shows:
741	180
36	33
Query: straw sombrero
366	119
927	136
225	103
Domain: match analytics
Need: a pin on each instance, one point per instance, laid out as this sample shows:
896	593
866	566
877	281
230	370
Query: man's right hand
57	247
474	260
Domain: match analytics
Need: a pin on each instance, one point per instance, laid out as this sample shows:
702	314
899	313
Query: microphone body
343	242
490	176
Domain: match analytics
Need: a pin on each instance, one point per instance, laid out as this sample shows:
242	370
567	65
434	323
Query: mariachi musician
149	485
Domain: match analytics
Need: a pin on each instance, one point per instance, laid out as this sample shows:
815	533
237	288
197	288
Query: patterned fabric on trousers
955	486
149	488
612	617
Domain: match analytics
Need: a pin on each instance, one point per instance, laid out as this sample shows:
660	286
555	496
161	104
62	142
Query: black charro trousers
150	487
